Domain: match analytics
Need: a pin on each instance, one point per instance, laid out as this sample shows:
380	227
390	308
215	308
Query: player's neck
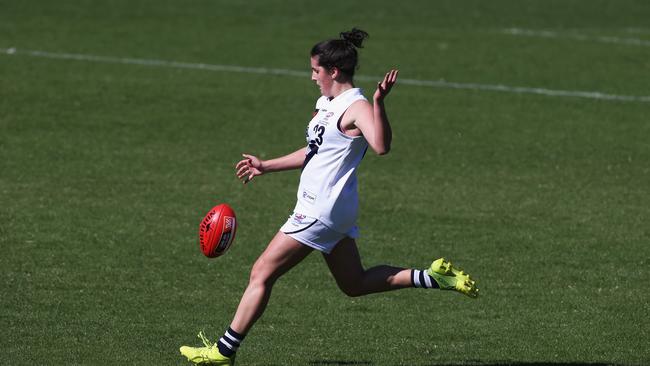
340	88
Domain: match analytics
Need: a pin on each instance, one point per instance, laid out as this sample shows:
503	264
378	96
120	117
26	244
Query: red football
217	230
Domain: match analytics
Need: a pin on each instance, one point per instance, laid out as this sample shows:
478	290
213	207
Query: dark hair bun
355	36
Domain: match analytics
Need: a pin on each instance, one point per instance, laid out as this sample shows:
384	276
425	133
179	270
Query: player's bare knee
261	274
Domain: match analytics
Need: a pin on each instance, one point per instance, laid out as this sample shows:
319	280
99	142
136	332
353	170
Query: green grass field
108	167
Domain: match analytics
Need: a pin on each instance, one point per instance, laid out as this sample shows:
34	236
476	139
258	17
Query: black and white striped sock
229	343
422	279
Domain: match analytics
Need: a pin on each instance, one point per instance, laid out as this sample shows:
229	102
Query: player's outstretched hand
248	168
384	86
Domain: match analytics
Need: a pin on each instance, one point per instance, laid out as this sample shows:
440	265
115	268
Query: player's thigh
345	265
282	253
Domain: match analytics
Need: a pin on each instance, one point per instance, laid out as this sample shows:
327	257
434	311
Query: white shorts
313	233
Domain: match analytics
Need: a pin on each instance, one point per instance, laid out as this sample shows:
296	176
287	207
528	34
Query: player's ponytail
341	53
355	37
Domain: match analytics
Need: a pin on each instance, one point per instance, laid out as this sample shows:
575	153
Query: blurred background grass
107	169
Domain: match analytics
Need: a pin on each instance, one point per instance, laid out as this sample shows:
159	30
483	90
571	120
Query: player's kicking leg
345	264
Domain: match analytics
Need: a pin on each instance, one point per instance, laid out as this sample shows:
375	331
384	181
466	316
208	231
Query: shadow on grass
339	363
519	363
469	363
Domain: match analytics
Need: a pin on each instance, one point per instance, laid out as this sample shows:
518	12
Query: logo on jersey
308	196
299	217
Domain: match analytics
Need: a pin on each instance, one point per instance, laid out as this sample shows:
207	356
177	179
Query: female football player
324	218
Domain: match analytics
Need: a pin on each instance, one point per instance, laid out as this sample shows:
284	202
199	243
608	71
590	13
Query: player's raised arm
373	121
252	166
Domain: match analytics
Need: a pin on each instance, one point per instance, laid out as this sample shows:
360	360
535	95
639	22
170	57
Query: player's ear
334	72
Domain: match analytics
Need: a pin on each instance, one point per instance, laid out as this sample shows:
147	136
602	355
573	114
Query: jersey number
314	144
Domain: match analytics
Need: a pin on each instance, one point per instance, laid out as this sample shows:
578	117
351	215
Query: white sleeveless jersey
328	183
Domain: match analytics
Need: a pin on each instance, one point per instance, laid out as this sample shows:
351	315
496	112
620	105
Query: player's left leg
345	265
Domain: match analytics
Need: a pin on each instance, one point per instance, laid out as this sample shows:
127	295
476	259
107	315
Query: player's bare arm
252	166
372	121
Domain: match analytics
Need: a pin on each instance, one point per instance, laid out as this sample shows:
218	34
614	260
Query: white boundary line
286	72
638	30
576	37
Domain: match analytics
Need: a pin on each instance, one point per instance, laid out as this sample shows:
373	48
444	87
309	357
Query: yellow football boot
450	278
208	355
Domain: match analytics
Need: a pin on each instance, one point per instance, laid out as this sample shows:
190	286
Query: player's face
322	77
